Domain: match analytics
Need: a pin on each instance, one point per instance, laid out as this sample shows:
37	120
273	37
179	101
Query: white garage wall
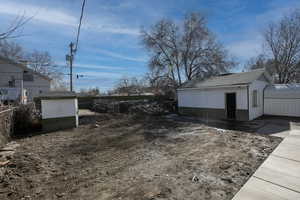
211	98
59	108
282	107
258	111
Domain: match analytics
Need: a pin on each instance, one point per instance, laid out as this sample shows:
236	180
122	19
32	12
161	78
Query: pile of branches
149	108
136	107
100	107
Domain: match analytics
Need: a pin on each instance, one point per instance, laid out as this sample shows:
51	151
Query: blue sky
110	44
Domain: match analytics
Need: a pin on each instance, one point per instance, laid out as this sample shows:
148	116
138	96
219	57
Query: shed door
231	105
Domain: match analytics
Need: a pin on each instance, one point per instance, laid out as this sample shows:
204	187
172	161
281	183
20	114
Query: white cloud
92	66
42	14
111	27
246	49
107	24
252	40
101	75
122	57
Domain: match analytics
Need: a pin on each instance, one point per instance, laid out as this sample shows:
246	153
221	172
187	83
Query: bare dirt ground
134	158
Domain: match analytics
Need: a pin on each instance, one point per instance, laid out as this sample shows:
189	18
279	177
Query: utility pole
70	57
74	47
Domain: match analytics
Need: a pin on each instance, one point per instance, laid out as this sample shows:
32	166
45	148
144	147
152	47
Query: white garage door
282	100
282	107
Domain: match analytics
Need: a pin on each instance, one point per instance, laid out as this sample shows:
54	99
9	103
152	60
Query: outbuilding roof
58	95
243	78
283	91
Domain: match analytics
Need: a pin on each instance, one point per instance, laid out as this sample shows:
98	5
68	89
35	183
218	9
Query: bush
26	120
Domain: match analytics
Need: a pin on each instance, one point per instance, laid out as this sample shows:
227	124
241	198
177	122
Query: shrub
26	120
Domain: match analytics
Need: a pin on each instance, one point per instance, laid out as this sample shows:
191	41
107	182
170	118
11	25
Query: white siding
34	88
282	107
56	108
37	87
282	100
211	98
7	71
255	112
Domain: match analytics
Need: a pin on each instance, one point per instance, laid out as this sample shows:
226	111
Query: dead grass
134	158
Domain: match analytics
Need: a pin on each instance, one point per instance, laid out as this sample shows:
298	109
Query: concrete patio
278	177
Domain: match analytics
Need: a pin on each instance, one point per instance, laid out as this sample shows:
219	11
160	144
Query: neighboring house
237	96
16	75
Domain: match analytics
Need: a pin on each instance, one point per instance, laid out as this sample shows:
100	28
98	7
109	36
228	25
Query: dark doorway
231	105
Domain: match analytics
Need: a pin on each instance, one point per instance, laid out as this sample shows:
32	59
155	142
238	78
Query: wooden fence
6	124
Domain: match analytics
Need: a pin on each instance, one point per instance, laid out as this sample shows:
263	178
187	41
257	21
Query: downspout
248	102
264	98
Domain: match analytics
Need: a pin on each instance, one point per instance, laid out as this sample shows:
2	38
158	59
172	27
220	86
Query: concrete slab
280	171
288	150
295	125
292	139
282	134
295	132
279	176
86	112
256	189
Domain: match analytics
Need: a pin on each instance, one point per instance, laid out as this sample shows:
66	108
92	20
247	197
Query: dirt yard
134	158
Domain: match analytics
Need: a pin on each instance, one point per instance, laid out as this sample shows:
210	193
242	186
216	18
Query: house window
12	82
27	76
255	98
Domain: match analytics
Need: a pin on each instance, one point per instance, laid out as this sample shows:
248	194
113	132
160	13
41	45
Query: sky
110	47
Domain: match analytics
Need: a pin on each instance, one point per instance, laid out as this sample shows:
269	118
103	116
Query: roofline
267	75
24	67
213	87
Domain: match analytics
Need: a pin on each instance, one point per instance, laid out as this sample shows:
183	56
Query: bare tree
283	43
11	31
202	55
256	62
161	84
131	86
184	52
11	50
90	92
43	63
59	86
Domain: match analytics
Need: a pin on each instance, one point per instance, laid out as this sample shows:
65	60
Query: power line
73	49
80	23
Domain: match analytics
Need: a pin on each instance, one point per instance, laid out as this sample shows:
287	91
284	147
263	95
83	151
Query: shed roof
58	95
283	91
243	78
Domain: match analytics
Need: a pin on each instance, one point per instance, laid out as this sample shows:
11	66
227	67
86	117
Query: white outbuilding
238	96
59	111
282	100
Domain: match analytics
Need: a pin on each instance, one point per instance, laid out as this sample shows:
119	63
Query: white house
16	75
237	96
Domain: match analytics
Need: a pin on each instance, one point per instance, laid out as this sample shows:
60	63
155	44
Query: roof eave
217	86
24	67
